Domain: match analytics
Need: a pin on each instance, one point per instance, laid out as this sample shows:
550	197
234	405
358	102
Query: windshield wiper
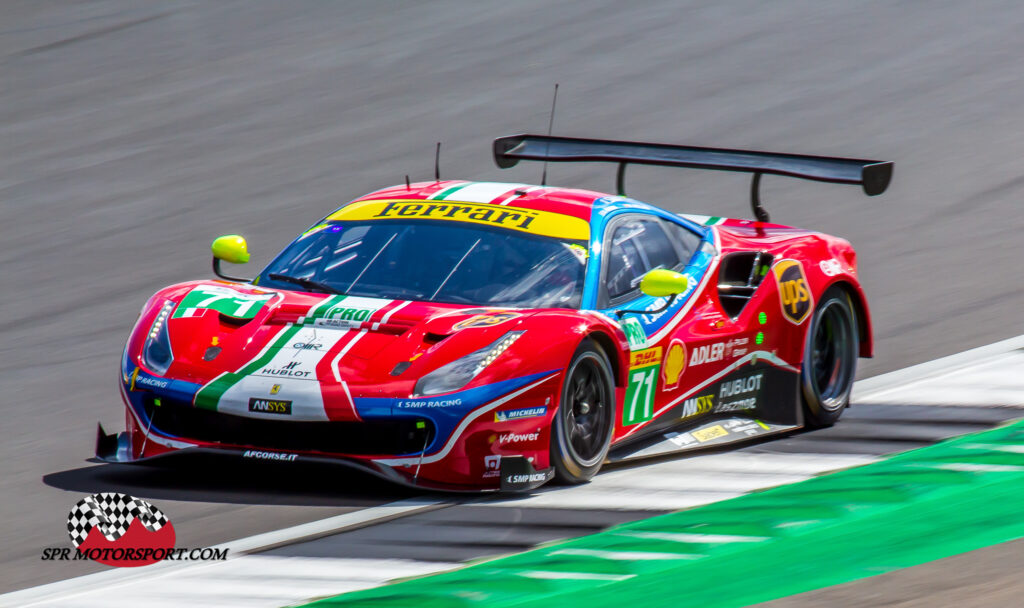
304	282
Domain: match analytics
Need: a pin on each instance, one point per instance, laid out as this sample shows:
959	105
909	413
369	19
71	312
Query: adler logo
707	354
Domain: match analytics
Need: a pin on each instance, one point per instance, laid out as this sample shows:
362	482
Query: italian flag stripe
208	396
483	192
442	194
321	309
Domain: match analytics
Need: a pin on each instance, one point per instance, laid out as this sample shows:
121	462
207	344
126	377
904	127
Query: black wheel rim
587	411
832	357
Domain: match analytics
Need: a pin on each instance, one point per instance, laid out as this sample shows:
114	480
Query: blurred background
133	133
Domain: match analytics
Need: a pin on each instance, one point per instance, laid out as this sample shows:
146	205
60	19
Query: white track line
253	581
990	376
681	484
101	584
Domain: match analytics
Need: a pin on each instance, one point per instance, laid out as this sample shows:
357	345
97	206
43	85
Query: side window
637	246
686	241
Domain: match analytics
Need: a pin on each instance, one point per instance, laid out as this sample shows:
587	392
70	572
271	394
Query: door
633	245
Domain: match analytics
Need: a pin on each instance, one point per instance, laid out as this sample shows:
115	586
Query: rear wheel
585	419
830	359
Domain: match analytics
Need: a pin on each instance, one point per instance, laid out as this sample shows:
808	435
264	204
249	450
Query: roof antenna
407	186
437	163
551	123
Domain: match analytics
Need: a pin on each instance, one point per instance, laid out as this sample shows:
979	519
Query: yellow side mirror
231	248
660	283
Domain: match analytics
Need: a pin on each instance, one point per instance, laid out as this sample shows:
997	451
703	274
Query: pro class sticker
344	312
794	293
635	334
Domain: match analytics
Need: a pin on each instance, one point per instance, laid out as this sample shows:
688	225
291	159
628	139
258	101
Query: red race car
481	336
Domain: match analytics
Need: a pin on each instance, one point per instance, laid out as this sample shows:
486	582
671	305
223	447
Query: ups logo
794	293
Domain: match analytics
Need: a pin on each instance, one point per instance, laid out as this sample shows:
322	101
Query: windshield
435	262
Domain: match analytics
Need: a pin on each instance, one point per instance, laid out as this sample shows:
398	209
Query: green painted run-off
915	507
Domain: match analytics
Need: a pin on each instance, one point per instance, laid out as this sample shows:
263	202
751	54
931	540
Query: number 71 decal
226	301
643	380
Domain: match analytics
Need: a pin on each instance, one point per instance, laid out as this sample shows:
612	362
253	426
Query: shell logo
675	364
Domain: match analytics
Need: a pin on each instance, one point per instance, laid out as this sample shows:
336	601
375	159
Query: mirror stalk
671	298
217	271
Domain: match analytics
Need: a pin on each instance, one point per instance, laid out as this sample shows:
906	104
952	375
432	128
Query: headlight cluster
156	353
459	373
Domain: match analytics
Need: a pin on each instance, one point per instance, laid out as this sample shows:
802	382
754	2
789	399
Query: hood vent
232	321
432	338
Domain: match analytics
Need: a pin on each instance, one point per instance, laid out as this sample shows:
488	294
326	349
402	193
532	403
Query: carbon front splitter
517	473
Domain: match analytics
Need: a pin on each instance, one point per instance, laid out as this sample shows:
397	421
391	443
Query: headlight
459	373
156	353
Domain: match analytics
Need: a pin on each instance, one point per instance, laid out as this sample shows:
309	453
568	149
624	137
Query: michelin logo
528	412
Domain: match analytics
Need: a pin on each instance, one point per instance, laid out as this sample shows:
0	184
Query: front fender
559	333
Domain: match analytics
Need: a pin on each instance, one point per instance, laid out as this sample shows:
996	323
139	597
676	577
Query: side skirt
751	401
711	433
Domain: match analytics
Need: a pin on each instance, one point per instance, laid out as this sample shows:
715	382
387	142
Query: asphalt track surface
132	133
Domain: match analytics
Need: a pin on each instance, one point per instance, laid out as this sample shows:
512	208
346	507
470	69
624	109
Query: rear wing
872	176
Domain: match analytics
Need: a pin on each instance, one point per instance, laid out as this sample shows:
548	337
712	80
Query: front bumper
472	442
517	473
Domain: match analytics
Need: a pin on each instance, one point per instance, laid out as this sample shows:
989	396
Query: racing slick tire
830	359
585	420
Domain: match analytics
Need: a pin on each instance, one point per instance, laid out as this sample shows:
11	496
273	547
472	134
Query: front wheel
830	359
584	422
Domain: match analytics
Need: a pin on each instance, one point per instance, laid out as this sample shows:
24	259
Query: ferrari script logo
794	293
